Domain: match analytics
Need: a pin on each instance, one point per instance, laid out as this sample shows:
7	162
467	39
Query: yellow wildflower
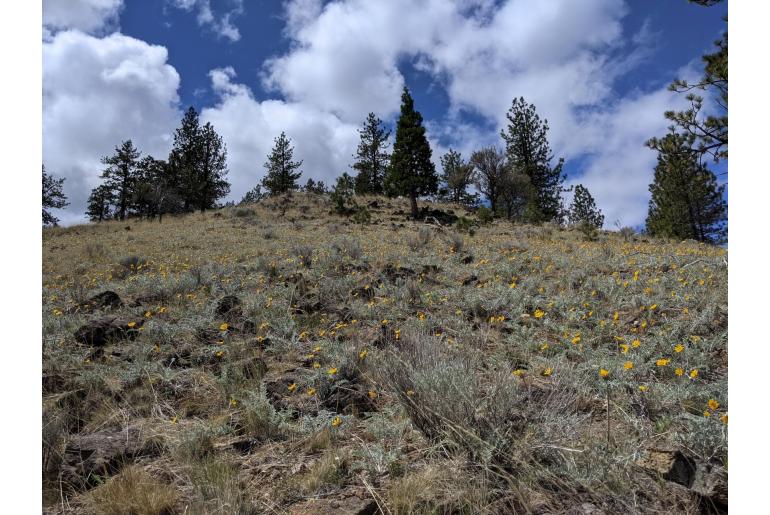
706	413
636	343
336	421
397	332
363	353
233	403
332	371
723	418
292	387
642	388
604	373
372	394
662	362
518	372
539	313
679	371
547	372
713	404
624	348
628	365
679	347
311	391
693	373
131	324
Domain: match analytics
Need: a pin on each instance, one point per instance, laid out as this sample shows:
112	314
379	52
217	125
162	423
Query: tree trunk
413	200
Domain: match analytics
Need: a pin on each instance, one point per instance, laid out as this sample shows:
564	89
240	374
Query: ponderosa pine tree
210	181
456	176
686	202
528	152
120	176
371	157
185	157
411	172
53	197
281	175
198	164
515	194
100	203
583	209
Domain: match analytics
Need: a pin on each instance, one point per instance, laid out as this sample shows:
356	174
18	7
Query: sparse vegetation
265	369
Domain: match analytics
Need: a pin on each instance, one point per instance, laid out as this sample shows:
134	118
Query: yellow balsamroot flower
544	346
223	326
604	372
653	307
693	373
397	332
332	371
723	418
539	313
131	324
679	347
519	372
679	371
624	348
576	340
706	413
219	354
547	372
174	420
662	362
316	365
642	388
628	365
615	316
233	403
363	353
292	387
372	394
713	404
336	421
636	343
311	391
385	321
410	392
421	316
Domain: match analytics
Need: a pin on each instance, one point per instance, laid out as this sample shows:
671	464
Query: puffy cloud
323	141
98	92
86	15
222	25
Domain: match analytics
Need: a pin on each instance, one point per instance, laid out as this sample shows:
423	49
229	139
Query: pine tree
211	184
411	171
53	197
583	209
489	173
281	176
120	176
371	157
456	176
100	203
342	194
686	202
528	152
185	158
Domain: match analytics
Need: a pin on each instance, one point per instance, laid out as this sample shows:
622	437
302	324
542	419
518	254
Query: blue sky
597	69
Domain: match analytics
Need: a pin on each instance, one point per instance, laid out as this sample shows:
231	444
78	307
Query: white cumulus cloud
222	24
98	92
86	15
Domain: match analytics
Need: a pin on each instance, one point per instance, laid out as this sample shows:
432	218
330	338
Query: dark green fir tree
282	171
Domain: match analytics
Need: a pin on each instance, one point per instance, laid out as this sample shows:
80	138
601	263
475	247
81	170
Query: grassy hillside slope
276	358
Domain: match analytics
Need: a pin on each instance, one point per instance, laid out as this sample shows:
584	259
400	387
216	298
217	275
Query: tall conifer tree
53	197
686	202
120	176
583	208
282	172
528	152
411	171
371	157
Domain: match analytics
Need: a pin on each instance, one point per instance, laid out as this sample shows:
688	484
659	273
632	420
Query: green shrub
485	215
